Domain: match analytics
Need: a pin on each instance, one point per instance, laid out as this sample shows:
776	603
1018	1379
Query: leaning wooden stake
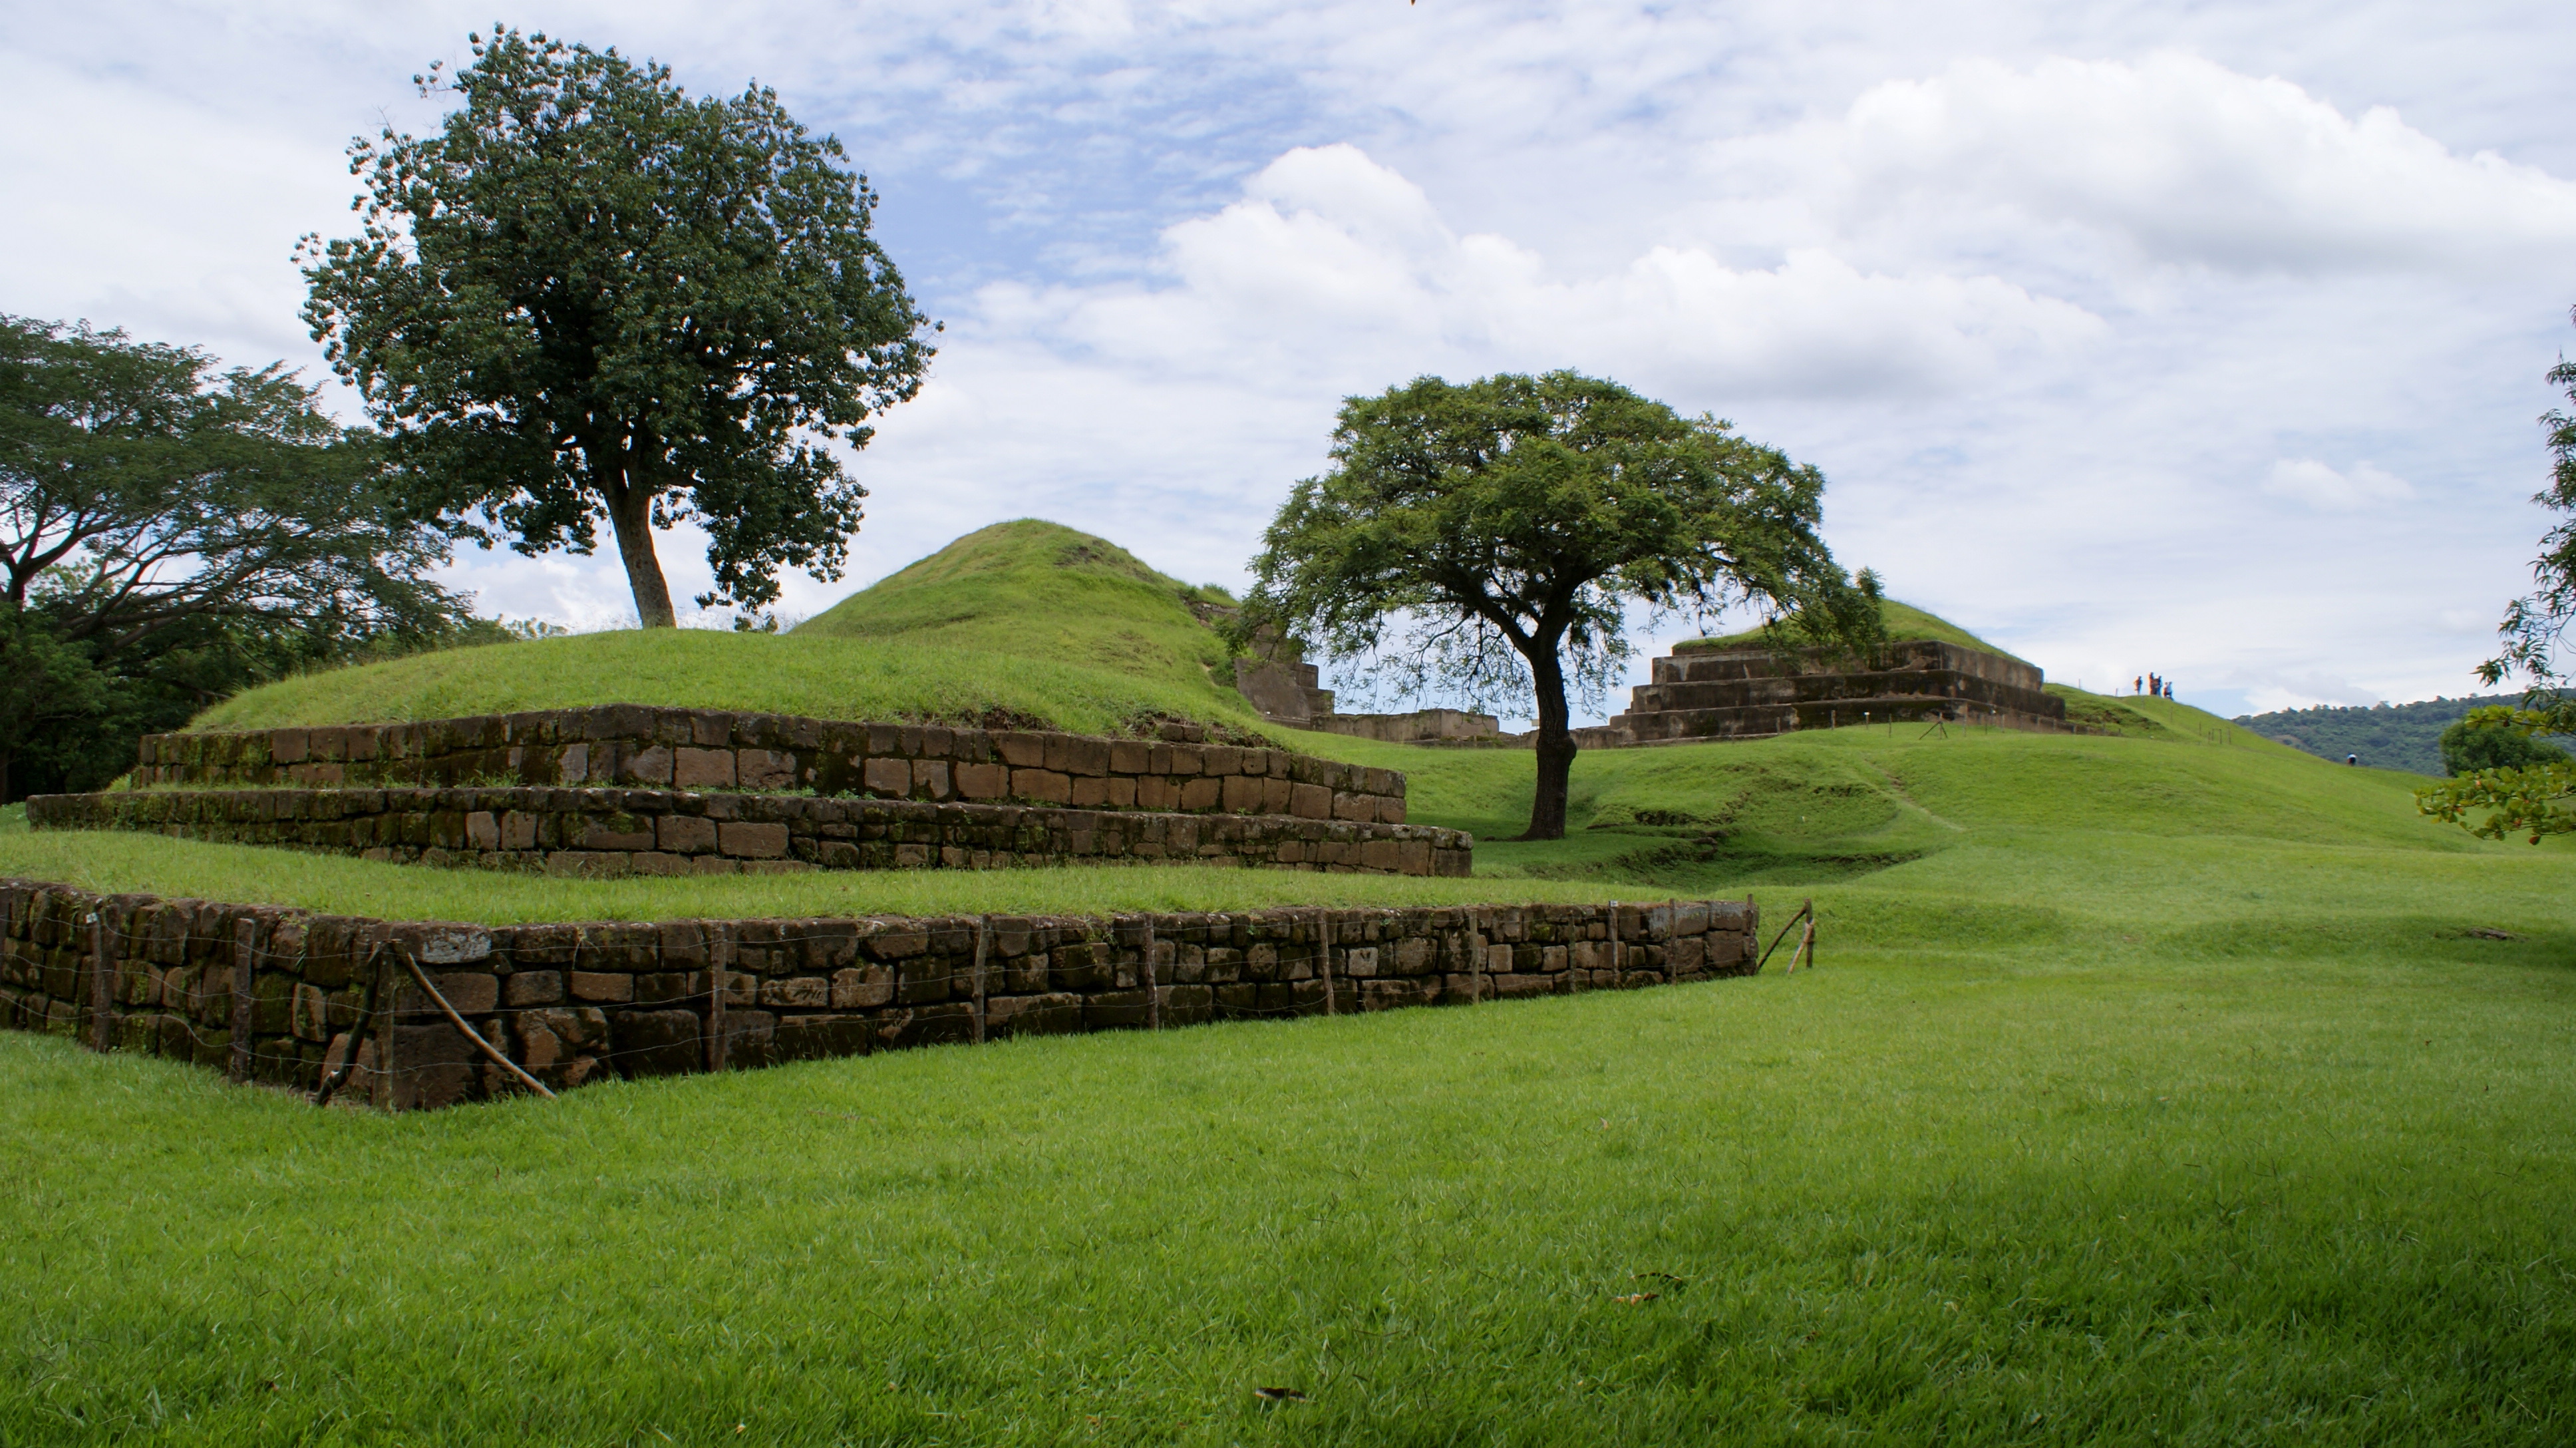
245	960
102	982
1806	939
983	926
480	1044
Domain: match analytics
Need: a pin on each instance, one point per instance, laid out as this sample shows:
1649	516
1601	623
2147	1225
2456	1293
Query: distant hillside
1902	622
2386	736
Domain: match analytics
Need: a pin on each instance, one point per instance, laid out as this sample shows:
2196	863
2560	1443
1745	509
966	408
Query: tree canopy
589	295
1488	538
166	532
2529	795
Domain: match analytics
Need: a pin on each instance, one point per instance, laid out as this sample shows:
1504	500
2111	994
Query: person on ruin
2168	688
2138	685
2353	759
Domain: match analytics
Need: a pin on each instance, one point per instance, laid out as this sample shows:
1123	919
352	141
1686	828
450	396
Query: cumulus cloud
2189	161
1335	267
2306	480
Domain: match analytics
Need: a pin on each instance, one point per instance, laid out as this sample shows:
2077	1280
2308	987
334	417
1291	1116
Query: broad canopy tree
590	296
163	524
2536	795
1488	539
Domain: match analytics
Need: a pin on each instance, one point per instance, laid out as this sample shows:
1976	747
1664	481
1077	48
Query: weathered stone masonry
287	996
616	832
703	749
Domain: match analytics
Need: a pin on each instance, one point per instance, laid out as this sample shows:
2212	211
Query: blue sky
2201	339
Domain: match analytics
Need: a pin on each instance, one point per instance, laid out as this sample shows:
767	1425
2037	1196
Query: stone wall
616	832
702	749
1746	693
288	997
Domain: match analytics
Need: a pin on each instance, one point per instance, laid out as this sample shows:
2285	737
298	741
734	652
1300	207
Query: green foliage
168	534
2524	786
2534	624
589	295
1488	539
2497	737
1897	622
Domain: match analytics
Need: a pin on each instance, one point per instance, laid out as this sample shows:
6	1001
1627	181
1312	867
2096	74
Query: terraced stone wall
289	997
617	832
710	750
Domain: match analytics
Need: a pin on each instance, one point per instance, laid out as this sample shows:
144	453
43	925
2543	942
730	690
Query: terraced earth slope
1028	624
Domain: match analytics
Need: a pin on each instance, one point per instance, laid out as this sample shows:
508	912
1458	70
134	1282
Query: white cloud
2308	481
2190	161
1336	268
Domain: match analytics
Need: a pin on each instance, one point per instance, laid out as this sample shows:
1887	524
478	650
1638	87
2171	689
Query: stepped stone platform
618	832
1287	690
705	749
292	998
1751	693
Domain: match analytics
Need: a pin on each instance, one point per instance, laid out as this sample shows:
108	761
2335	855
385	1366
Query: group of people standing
2154	686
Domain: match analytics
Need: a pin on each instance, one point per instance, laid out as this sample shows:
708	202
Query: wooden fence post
983	928
719	965
1324	946
1484	947
245	958
102	981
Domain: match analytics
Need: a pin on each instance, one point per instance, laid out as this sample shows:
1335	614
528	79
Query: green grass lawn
2157	1093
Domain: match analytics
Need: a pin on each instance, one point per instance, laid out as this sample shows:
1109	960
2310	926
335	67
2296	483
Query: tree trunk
630	510
1555	744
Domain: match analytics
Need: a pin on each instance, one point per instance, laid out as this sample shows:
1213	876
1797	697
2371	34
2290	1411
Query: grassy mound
1903	622
1024	622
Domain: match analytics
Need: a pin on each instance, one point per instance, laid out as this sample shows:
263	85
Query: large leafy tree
1487	539
591	296
167	532
2533	795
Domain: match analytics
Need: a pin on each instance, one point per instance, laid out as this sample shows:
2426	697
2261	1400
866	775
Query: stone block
1201	794
1116	1010
592	985
649	766
1310	801
930	778
745	840
472	993
862	987
657	1043
800	992
982	781
684	834
1358	809
765	770
702	769
662	987
887	778
532	988
1041	786
820	1038
1052	1013
434	1066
